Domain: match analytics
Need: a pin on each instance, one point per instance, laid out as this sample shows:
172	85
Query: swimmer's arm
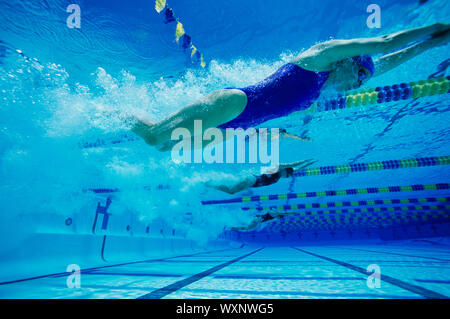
298	164
321	56
391	61
236	187
258	221
304	164
284	133
296	137
252	226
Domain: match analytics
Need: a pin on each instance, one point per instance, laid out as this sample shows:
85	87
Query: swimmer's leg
215	109
255	223
237	187
142	128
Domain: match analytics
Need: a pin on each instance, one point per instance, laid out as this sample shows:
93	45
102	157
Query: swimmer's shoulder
303	60
312	59
321	56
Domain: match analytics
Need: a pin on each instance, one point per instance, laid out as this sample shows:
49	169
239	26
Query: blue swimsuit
291	88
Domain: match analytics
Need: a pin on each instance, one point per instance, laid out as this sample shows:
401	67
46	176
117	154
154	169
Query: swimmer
252	181
339	64
259	220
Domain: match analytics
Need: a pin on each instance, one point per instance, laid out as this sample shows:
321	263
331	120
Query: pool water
77	187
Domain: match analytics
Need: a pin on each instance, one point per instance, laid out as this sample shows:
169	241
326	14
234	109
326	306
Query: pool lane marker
352	220
334	215
336	219
375	166
329	222
328	193
361	203
398	254
388	93
181	37
63	274
162	292
426	293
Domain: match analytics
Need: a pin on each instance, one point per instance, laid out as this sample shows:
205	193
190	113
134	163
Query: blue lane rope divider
344	192
379	165
360	203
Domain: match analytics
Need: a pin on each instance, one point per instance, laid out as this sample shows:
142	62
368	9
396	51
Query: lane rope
374	166
344	192
388	93
181	37
360	203
336	221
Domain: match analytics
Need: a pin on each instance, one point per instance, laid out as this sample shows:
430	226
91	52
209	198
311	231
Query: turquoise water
66	147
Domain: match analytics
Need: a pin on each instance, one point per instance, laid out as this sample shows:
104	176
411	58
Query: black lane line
279	293
62	274
132	274
433	281
430	248
162	292
286	277
398	254
429	294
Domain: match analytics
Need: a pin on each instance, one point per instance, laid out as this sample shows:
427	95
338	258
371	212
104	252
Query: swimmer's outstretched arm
252	225
304	164
392	60
322	56
284	133
298	165
296	137
257	221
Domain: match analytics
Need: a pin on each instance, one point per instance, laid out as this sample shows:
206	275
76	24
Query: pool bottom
411	270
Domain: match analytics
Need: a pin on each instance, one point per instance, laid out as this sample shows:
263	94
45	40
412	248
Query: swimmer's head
352	73
287	172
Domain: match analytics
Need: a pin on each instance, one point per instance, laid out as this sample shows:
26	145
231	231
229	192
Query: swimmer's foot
143	128
167	146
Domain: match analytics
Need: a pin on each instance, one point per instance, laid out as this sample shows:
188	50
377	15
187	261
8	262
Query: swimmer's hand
441	37
304	164
142	128
441	26
284	133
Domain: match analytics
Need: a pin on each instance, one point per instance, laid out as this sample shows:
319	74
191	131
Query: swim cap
365	61
289	171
